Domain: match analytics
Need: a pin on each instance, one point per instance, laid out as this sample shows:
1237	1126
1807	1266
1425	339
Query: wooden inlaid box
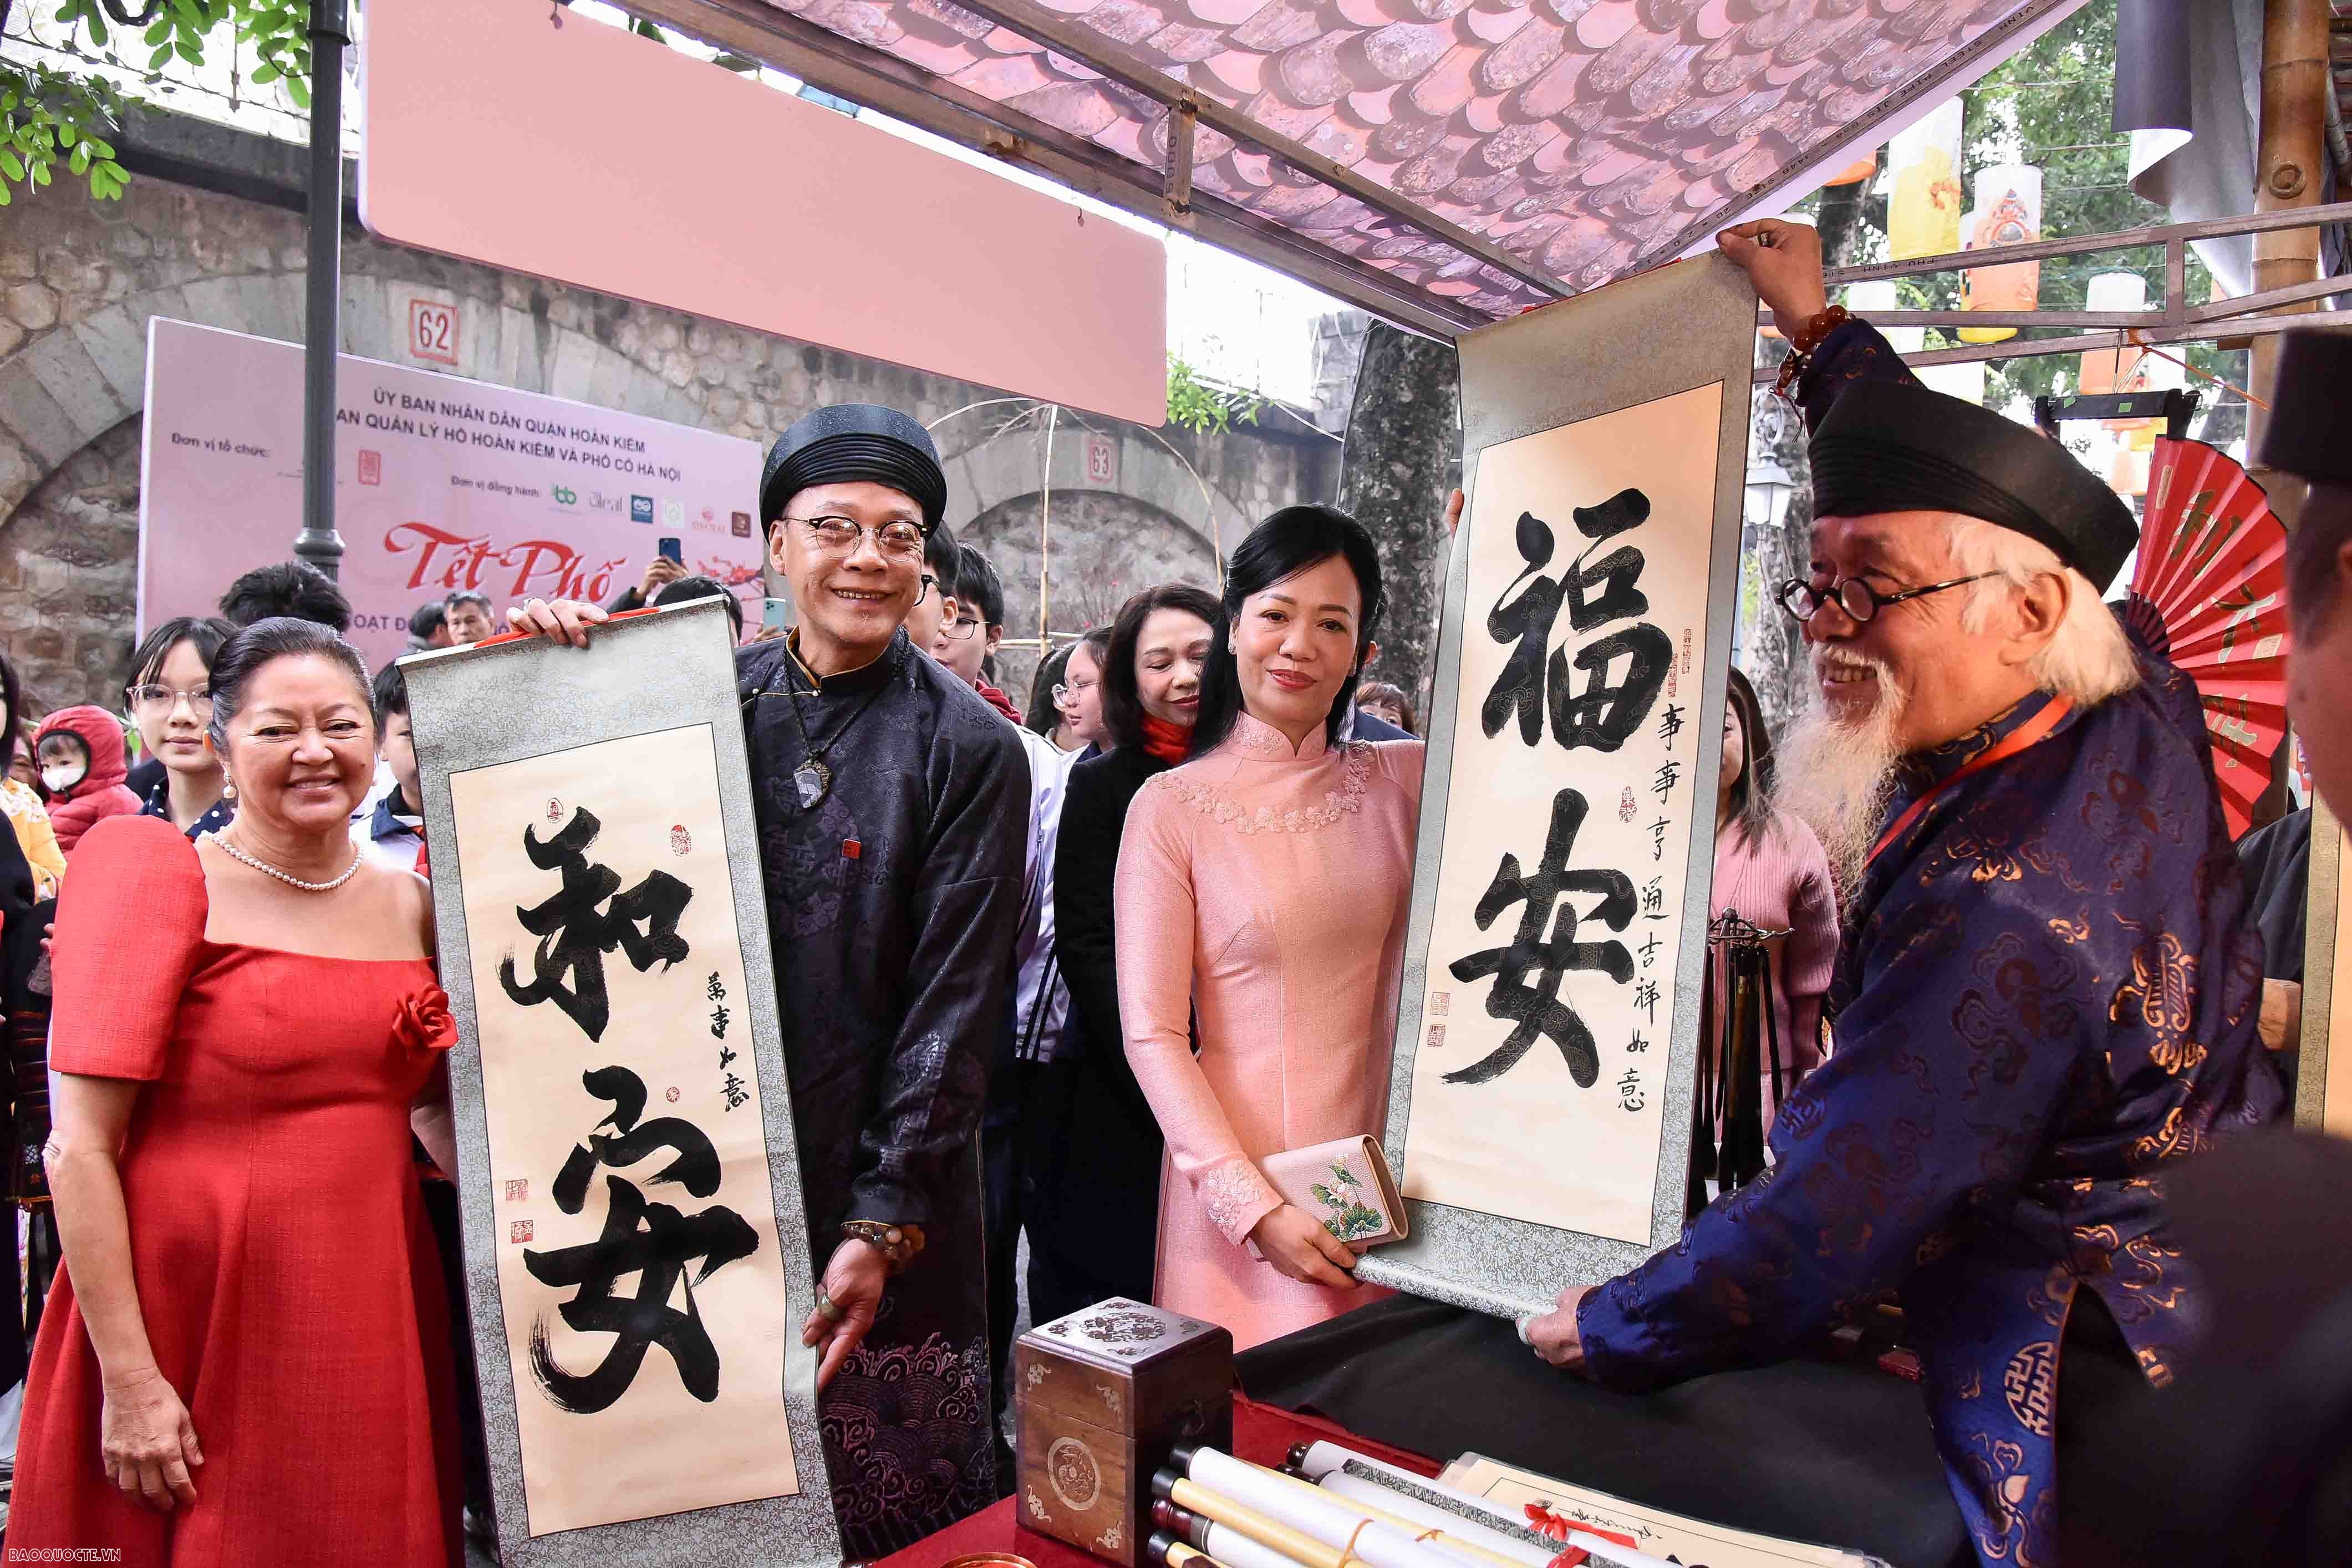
1104	1396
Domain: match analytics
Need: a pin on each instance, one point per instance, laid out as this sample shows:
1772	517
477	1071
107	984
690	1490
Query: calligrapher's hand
563	621
147	1441
1784	262
1292	1245
660	571
1453	514
1555	1336
854	1280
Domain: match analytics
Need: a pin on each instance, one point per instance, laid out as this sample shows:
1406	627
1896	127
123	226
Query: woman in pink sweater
1771	867
1260	901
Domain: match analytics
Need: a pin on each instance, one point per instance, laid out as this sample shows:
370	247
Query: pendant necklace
813	779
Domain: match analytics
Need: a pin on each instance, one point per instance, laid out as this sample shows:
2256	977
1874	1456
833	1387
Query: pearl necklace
287	877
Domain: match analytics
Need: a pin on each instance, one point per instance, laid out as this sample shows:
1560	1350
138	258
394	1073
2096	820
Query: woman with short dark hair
1090	1145
250	1312
1261	895
170	699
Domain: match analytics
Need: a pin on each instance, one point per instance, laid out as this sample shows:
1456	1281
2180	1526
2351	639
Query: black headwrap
849	442
1898	447
2310	427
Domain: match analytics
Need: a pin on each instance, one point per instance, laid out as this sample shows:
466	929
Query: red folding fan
2210	593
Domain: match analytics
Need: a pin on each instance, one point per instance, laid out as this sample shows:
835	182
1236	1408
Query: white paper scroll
1539	1113
1536	1089
623	827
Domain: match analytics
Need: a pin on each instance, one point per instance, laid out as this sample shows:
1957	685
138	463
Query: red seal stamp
555	809
670	1094
680	842
518	1190
518	1230
1437	1037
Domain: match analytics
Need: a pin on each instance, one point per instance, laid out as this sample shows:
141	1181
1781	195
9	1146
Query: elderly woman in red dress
244	1358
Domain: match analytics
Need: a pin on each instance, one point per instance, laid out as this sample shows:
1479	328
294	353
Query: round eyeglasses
1858	599
839	535
149	698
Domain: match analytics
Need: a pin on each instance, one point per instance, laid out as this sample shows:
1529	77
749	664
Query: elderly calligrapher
2046	993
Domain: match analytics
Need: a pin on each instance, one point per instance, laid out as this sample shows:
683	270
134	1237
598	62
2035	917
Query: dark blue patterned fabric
2046	993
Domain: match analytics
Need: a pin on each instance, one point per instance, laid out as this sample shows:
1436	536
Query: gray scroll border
1667	331
479	706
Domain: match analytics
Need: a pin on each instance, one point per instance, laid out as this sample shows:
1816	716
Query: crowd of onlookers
1072	1148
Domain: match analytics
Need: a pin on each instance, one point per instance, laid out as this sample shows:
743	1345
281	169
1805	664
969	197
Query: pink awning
1446	162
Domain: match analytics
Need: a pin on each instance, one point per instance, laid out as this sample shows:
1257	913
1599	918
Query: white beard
1837	775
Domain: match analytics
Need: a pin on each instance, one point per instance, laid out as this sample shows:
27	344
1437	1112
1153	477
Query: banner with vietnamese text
441	483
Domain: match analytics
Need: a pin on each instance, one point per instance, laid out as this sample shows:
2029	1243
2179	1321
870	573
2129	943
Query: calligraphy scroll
1540	1111
634	1234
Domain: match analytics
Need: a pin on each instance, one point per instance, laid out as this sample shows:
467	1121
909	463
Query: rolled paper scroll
1442	1533
1283	1545
1226	1546
1532	1552
1351	1530
1166	1549
1323	1460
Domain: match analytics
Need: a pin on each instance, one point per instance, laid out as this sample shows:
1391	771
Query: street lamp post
319	544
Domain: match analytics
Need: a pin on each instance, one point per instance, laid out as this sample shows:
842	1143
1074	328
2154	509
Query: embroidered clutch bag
1345	1183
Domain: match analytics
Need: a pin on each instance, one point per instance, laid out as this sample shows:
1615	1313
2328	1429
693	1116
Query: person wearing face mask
250	1309
82	768
1090	1145
1261	895
171	701
2047	993
890	803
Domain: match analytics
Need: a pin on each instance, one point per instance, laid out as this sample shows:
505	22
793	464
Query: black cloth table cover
1834	1452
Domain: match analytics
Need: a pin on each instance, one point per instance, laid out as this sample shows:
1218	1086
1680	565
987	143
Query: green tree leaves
1202	406
48	116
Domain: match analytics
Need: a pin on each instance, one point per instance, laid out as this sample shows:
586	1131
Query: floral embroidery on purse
1349	1218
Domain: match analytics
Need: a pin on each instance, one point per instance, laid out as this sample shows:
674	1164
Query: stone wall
79	281
1106	547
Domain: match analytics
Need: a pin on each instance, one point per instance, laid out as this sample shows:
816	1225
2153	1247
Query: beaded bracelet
897	1244
1809	337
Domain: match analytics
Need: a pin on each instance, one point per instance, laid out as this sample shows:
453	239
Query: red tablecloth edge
1262	1433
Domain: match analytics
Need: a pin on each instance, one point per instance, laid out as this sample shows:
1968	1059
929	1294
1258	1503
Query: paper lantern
1923	214
2007	212
2111	370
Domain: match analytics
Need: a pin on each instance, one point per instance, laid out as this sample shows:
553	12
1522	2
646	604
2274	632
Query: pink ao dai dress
1264	890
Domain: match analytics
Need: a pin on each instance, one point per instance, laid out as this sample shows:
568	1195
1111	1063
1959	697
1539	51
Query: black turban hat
1899	447
850	442
2310	427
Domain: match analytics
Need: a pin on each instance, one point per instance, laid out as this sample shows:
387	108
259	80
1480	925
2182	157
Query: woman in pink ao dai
1261	902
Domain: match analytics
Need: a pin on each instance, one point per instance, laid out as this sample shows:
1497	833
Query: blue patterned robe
2046	991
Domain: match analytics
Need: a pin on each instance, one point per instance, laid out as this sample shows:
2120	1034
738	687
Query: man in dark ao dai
892	803
2046	992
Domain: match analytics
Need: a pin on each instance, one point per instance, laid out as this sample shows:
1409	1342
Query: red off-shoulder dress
285	1269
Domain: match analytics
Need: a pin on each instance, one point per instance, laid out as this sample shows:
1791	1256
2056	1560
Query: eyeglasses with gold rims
1858	599
149	698
839	535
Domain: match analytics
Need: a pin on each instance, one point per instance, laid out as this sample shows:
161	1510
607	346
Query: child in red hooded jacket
82	765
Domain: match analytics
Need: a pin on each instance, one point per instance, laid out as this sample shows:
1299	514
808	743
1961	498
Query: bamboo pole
2288	171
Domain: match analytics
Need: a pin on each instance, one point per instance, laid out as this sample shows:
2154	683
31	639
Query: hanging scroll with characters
634	1241
1540	1112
